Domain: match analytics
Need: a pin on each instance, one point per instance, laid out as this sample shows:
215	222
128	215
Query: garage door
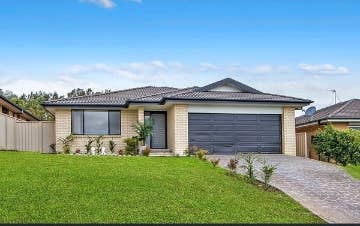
232	133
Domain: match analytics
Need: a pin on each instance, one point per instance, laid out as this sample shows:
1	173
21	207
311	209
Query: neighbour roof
28	115
345	110
159	95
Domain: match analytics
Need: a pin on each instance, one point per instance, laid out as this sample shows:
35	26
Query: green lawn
38	188
353	171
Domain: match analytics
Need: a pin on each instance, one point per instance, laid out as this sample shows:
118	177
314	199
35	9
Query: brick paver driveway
325	189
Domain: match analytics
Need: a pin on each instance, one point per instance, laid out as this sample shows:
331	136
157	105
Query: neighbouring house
224	117
9	108
342	116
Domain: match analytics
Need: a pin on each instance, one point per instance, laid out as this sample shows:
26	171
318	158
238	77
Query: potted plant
143	131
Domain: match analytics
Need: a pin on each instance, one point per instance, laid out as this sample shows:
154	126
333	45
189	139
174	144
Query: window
94	122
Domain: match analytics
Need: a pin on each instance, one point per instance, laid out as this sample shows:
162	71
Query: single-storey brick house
224	117
343	115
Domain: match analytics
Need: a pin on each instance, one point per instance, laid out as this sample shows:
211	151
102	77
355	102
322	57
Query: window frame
83	122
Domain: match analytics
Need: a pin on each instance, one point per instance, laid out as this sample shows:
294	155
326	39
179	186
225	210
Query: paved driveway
323	188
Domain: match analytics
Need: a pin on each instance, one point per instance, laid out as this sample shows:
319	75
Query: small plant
249	160
201	154
191	150
112	145
232	165
66	143
268	171
88	144
98	143
143	130
77	151
146	151
132	144
53	147
215	162
120	152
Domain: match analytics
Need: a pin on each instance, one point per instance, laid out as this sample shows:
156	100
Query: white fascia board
235	109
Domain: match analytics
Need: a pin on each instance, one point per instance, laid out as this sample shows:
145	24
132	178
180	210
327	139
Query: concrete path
325	189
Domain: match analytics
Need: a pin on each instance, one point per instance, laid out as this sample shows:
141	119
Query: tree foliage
32	101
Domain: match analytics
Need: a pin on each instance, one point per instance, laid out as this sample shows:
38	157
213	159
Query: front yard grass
353	171
39	188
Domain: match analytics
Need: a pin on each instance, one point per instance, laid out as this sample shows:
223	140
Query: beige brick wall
178	128
63	129
288	131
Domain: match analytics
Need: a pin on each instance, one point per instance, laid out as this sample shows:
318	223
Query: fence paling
301	144
26	135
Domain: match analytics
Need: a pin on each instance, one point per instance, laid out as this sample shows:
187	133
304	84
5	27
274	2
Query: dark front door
232	133
158	139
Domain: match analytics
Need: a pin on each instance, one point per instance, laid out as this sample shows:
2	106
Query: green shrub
143	130
88	144
191	150
201	154
112	146
268	171
98	143
66	143
215	162
131	147
146	151
232	165
249	160
341	146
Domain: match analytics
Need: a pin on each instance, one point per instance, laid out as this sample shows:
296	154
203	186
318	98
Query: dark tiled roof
159	95
345	110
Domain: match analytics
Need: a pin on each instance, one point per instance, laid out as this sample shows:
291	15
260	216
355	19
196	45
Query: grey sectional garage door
231	133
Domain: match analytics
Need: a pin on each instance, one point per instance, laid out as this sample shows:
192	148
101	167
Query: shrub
268	171
215	162
66	143
98	143
132	144
341	146
53	147
249	160
143	130
232	165
120	152
88	144
201	154
191	150
112	145
146	151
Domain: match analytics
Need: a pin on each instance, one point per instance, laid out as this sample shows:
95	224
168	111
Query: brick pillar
178	129
288	131
62	126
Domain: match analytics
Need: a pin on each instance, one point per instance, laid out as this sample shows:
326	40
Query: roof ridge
185	90
346	103
154	94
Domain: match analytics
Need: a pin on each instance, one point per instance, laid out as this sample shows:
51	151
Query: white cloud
324	69
108	4
208	67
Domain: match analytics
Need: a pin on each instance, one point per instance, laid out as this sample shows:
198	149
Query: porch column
178	128
288	131
141	114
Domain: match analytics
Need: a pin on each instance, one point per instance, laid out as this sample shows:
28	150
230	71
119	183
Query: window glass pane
96	122
114	117
77	122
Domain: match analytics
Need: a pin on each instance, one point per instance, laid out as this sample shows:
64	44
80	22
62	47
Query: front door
158	138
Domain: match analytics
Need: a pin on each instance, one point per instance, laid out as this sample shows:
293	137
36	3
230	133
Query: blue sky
297	48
